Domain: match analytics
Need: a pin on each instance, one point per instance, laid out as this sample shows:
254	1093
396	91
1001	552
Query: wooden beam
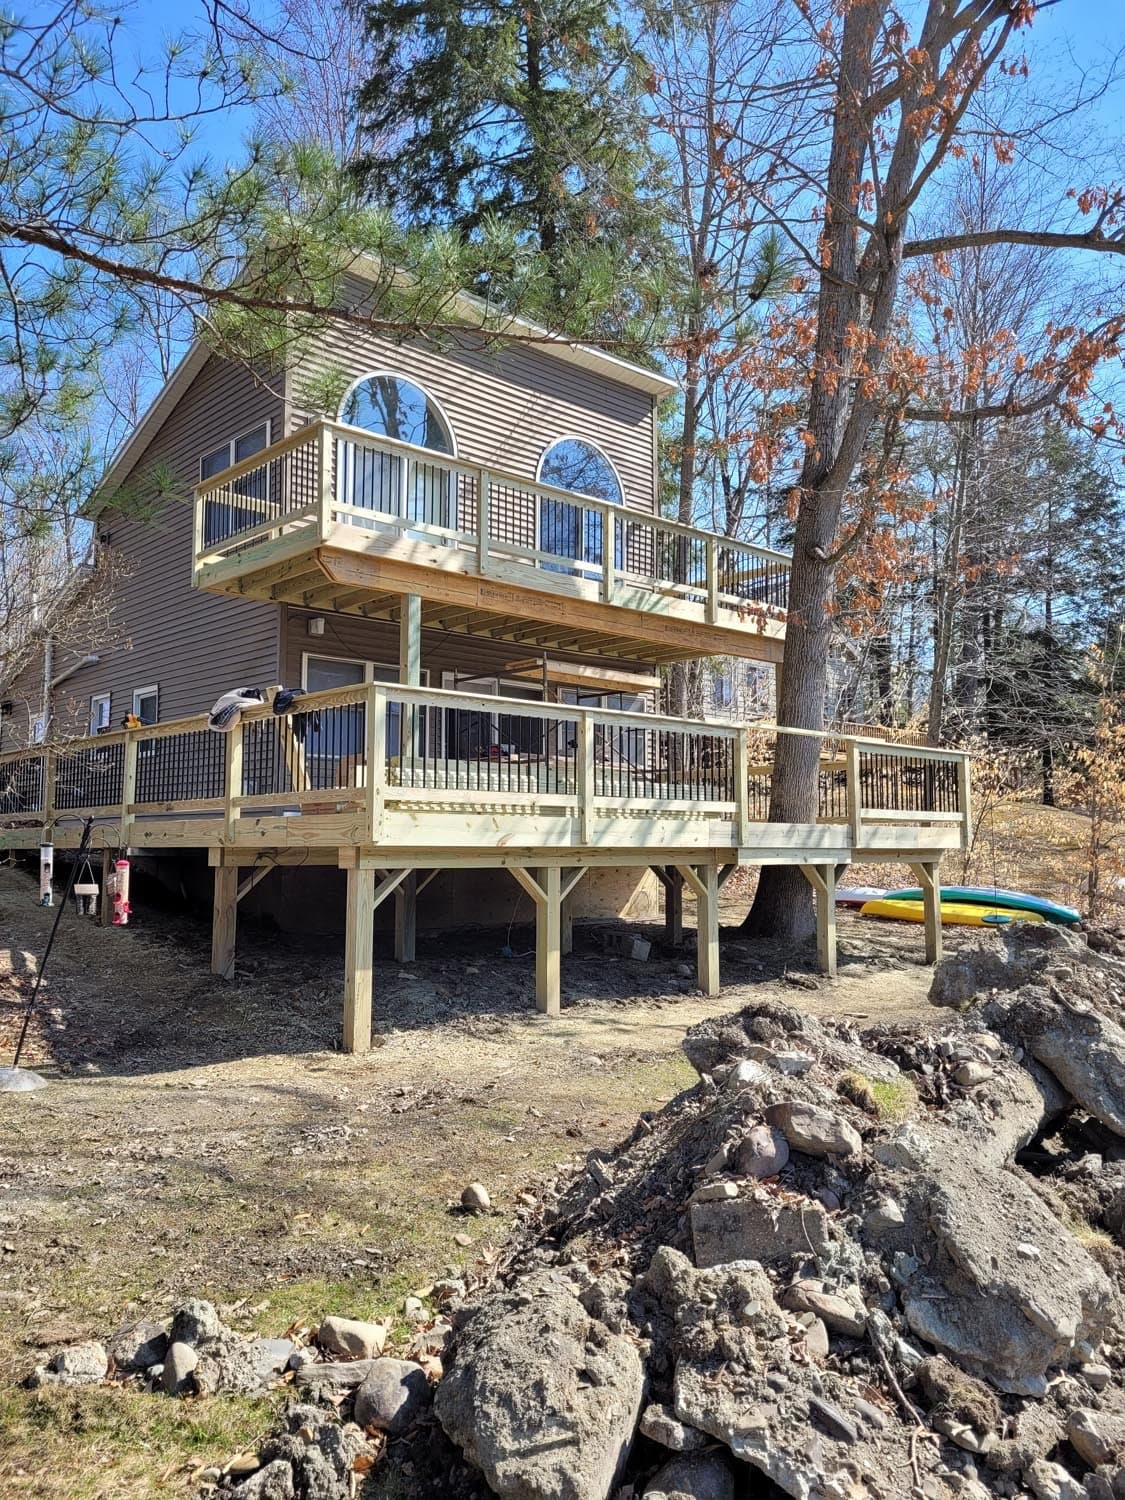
224	920
442	574
406	920
548	944
546	891
822	878
928	874
704	882
673	883
254	878
567	909
359	941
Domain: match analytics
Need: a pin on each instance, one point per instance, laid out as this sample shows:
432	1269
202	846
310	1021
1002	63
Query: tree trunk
840	417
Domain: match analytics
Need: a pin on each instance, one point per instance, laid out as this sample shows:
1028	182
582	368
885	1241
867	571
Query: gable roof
556	346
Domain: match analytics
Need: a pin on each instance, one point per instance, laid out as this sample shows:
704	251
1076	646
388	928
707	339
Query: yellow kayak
955	913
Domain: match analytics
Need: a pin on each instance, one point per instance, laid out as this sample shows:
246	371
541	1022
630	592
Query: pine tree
527	115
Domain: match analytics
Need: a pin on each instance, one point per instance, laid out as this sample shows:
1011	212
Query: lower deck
391	783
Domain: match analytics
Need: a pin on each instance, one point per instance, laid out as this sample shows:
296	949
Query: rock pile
845	1266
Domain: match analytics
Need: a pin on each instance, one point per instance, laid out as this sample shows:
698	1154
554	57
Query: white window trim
266	422
388	374
369	667
152	691
95	699
576	437
573	437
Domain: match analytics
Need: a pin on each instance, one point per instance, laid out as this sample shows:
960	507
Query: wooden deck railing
328	474
396	761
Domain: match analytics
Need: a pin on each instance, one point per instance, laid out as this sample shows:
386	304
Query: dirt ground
205	1138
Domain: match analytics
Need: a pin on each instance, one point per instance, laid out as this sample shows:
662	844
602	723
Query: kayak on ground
953	913
856	895
983	895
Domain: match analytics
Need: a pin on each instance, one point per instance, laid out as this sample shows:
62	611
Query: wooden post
855	792
585	754
566	927
742	788
712	580
547	893
548	942
964	802
375	755
128	786
928	874
105	900
822	878
410	641
324	480
673	883
704	881
232	781
406	920
224	920
484	483
609	554
358	949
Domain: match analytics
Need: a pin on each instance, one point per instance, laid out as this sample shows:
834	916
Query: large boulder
1083	1048
735	1378
542	1397
1004	1289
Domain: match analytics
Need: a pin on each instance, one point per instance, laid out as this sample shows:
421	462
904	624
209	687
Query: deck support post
406	920
548	890
822	878
927	873
673	883
410	641
224	920
704	882
548	943
566	927
359	944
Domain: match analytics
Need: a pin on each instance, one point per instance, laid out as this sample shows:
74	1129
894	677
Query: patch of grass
889	1100
895	1100
113	1443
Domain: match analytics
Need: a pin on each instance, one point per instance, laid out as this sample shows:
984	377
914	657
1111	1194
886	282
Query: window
567	530
319	673
99	713
613	743
391	406
222	519
471	735
146	704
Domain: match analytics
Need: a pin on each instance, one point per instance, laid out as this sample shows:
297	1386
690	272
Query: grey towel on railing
227	710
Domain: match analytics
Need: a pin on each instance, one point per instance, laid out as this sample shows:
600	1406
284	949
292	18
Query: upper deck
333	517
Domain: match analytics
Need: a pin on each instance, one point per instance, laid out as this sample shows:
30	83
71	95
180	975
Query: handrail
485	703
503	478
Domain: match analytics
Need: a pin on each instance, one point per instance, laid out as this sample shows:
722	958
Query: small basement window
146	704
99	713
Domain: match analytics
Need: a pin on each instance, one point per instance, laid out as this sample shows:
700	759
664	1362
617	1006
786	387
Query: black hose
82	848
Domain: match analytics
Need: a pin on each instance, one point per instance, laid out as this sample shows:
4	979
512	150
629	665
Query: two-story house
464	562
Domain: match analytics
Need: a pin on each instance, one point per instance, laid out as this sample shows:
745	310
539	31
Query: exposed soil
206	1138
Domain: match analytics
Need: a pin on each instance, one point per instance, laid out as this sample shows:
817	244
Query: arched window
574	464
395	407
390	405
577	465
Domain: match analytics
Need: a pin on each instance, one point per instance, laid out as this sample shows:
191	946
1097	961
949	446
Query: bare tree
896	115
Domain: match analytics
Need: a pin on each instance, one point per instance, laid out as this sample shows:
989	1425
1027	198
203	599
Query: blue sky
1066	39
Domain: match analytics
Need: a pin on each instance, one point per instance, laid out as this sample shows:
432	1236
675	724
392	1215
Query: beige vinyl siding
193	645
377	641
506	404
